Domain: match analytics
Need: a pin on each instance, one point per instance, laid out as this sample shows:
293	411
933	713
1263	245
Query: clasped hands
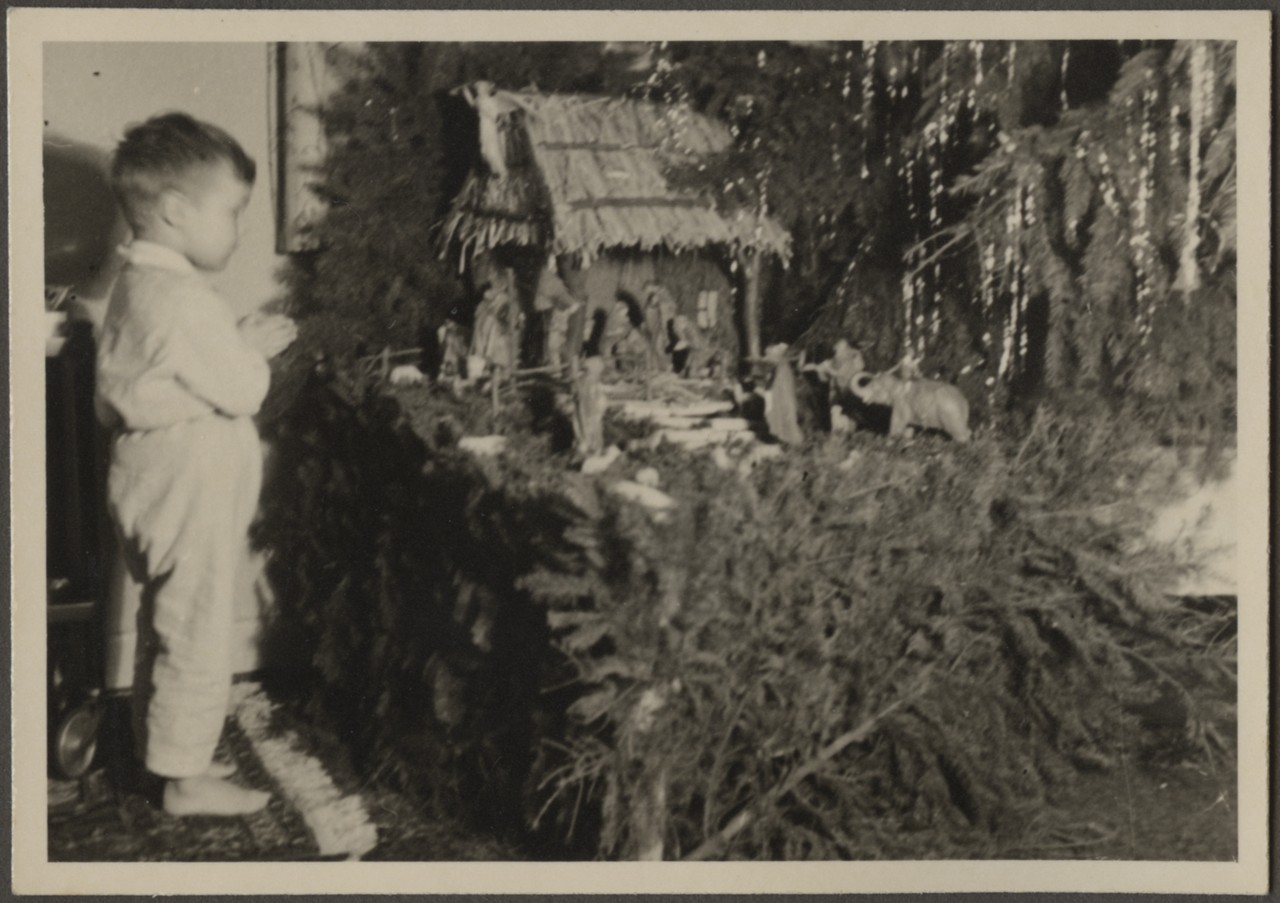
268	333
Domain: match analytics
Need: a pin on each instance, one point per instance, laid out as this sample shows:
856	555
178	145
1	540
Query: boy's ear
171	207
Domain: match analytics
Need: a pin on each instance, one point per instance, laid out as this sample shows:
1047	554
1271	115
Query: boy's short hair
161	154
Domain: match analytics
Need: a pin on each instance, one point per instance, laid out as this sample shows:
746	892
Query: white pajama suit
179	383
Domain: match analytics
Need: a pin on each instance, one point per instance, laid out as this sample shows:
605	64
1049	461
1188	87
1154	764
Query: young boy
178	379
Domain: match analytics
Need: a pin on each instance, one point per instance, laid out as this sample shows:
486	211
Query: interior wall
94	91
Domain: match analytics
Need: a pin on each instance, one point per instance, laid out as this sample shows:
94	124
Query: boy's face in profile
213	201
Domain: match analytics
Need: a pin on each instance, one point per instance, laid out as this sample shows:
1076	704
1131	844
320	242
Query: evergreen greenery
901	658
400	145
1035	190
867	649
1025	194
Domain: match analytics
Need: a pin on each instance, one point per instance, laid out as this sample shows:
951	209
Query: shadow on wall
82	224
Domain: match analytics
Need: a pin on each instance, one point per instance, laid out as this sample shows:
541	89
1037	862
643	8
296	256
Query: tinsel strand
1062	78
1188	271
868	100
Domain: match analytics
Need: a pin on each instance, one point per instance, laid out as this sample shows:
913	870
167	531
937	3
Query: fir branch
712	845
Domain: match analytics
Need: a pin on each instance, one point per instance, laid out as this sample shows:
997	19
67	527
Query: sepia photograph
830	443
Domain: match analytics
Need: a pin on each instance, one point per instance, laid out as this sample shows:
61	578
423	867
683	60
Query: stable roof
587	174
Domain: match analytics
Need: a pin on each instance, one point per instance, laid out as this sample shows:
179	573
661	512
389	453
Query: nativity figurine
452	338
659	308
588	408
781	406
494	338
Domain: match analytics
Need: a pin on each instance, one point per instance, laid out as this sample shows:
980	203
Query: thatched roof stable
586	175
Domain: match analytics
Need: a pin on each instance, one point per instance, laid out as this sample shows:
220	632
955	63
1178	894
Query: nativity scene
693	450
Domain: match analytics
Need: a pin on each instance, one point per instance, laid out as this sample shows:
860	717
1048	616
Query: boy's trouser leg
184	498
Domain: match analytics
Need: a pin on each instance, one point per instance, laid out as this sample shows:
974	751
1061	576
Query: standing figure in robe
659	309
780	401
452	337
559	353
493	338
588	408
557	305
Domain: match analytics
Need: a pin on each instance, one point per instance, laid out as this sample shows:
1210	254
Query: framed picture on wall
304	75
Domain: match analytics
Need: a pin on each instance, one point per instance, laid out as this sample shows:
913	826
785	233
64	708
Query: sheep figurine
407	375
